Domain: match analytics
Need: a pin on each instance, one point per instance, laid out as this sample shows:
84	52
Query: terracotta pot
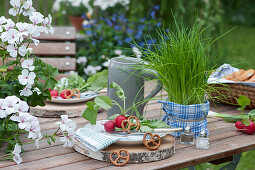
76	22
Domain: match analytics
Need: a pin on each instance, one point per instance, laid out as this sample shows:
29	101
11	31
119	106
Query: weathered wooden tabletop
225	140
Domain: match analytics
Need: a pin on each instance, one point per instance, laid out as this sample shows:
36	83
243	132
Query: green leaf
252	111
48	141
113	116
3	69
3	83
90	115
98	81
119	91
90	104
54	72
243	101
53	139
154	123
104	101
50	83
146	129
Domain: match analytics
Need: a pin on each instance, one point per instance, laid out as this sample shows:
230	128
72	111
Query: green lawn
238	49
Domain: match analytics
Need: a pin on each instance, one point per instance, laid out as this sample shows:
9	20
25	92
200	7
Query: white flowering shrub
20	86
15	38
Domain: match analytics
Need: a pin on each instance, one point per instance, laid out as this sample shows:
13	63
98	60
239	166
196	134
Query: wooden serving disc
56	109
138	153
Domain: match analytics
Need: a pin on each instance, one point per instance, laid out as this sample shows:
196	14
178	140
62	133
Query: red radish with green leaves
239	125
250	129
109	126
118	120
63	94
54	93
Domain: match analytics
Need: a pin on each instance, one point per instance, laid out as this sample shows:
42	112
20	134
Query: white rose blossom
137	52
26	77
28	64
14	50
37	91
106	63
16	4
118	52
9	25
26	91
2	21
67	127
17	158
82	60
68	138
90	70
16	152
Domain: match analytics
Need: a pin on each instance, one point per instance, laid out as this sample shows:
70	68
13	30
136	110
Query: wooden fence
43	6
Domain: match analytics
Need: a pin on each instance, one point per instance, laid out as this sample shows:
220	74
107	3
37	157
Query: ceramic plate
86	96
125	139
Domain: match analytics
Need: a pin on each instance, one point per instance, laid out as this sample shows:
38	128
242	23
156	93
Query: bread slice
246	75
251	79
233	76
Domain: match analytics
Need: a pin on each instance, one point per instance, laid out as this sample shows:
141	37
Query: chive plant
181	60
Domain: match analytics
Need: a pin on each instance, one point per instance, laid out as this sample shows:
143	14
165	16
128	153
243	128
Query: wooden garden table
225	141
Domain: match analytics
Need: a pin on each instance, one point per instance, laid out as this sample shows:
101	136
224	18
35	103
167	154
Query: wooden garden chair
61	47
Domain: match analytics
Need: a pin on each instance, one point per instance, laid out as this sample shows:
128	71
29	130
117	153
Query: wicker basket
232	91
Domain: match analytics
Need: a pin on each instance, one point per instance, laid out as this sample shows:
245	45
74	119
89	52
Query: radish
119	119
63	94
239	125
109	126
54	93
250	129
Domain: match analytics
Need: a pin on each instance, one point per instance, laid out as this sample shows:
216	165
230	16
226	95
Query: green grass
181	63
238	47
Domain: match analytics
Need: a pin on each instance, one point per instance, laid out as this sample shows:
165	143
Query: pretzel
77	94
72	93
151	140
118	153
130	124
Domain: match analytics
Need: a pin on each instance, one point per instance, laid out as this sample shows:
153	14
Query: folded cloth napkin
95	140
224	70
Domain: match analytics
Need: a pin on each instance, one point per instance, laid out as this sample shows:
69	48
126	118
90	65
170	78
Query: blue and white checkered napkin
178	115
95	140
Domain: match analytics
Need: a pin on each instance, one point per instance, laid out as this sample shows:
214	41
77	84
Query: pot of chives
181	62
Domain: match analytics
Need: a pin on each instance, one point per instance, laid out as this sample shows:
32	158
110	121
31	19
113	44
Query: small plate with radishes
59	97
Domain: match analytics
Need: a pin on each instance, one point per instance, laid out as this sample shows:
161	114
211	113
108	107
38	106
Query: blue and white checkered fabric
94	140
195	115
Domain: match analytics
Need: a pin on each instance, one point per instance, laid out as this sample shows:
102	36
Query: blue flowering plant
112	36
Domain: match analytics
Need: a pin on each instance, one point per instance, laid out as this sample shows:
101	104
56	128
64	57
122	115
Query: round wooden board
138	153
56	110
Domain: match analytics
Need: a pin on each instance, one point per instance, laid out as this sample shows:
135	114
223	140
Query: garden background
114	30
